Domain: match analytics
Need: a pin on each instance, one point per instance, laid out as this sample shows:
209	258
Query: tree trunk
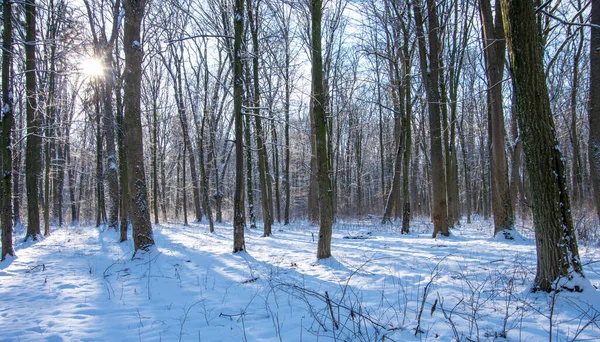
33	143
71	179
16	176
100	204
494	47
155	159
123	179
466	170
594	105
138	194
112	174
8	122
183	186
407	138
313	191
286	172
557	251
50	124
577	174
203	176
239	220
431	75
325	194
448	148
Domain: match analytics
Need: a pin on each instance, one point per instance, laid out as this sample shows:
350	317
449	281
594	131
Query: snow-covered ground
79	284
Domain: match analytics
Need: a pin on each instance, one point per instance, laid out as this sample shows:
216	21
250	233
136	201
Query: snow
80	284
136	45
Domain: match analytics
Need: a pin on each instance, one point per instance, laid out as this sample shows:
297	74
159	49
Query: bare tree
138	194
34	142
556	243
239	220
494	48
594	104
263	171
430	75
8	121
325	192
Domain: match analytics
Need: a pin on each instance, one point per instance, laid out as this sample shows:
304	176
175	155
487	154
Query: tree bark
494	47
557	251
594	105
431	75
138	195
576	170
112	174
100	203
325	191
288	91
406	215
33	143
123	179
8	123
239	220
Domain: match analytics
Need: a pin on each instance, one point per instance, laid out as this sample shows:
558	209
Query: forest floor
79	284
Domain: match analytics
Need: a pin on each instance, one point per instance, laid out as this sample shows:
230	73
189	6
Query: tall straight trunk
177	186
123	179
155	160
34	142
407	136
112	174
448	146
286	172
576	170
239	220
313	190
249	175
556	243
7	124
275	156
358	147
16	176
431	75
483	201
594	105
204	176
466	170
100	203
416	199
48	150
183	186
163	186
323	159
82	187
58	181
138	194
50	144
494	48
71	181
381	142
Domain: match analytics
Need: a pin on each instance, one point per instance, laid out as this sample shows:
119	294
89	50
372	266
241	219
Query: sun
92	67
